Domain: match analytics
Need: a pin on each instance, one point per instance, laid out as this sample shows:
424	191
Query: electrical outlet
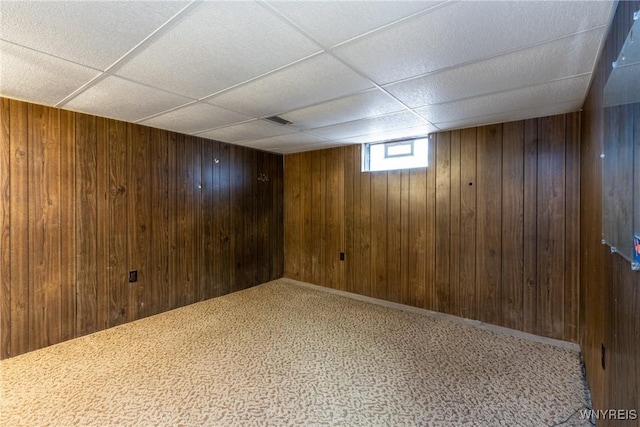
133	276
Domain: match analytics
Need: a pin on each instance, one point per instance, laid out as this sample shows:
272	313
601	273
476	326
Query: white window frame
384	159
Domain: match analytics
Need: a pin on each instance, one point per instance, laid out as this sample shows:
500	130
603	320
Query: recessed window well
405	154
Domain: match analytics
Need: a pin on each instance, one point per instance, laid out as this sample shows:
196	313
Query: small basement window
405	154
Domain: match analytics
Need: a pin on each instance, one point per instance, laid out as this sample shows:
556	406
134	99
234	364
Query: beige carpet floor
283	354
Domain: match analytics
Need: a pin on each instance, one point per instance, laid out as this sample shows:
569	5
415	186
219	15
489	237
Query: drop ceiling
342	72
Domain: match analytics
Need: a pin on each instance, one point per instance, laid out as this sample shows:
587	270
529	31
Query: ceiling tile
28	75
309	147
117	98
467	31
93	33
415	132
195	118
247	131
539	64
334	22
514	100
405	119
369	103
509	116
314	80
298	139
215	46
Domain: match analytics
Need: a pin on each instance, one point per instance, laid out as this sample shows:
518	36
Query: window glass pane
395	155
399	149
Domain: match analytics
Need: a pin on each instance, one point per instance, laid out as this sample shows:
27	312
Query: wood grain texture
443	221
83	200
453	237
468	194
513	224
5	229
119	309
394	236
86	224
489	223
551	201
530	220
609	301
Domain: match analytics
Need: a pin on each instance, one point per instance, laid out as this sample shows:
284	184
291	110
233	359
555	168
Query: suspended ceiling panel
342	72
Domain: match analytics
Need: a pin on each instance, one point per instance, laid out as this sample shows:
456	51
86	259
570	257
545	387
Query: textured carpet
283	354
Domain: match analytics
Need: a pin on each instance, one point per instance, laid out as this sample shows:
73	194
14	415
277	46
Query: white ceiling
342	72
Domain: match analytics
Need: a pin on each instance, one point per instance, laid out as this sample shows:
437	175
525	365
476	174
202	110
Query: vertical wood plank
394	241
306	237
530	242
430	227
417	236
208	259
292	214
317	217
162	203
19	221
139	223
330	223
5	228
86	224
224	218
572	228
405	185
338	234
379	240
366	241
468	187
237	216
489	230
279	213
443	221
512	224
249	244
102	221
67	225
551	206
351	167
264	206
357	256
119	309
44	219
455	244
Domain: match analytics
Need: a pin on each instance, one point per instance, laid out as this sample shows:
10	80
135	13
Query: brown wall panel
394	236
513	224
443	221
379	200
86	224
551	201
489	223
118	285
85	199
452	237
5	229
609	296
468	185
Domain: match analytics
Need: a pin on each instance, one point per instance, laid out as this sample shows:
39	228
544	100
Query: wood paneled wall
610	291
488	231
84	200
